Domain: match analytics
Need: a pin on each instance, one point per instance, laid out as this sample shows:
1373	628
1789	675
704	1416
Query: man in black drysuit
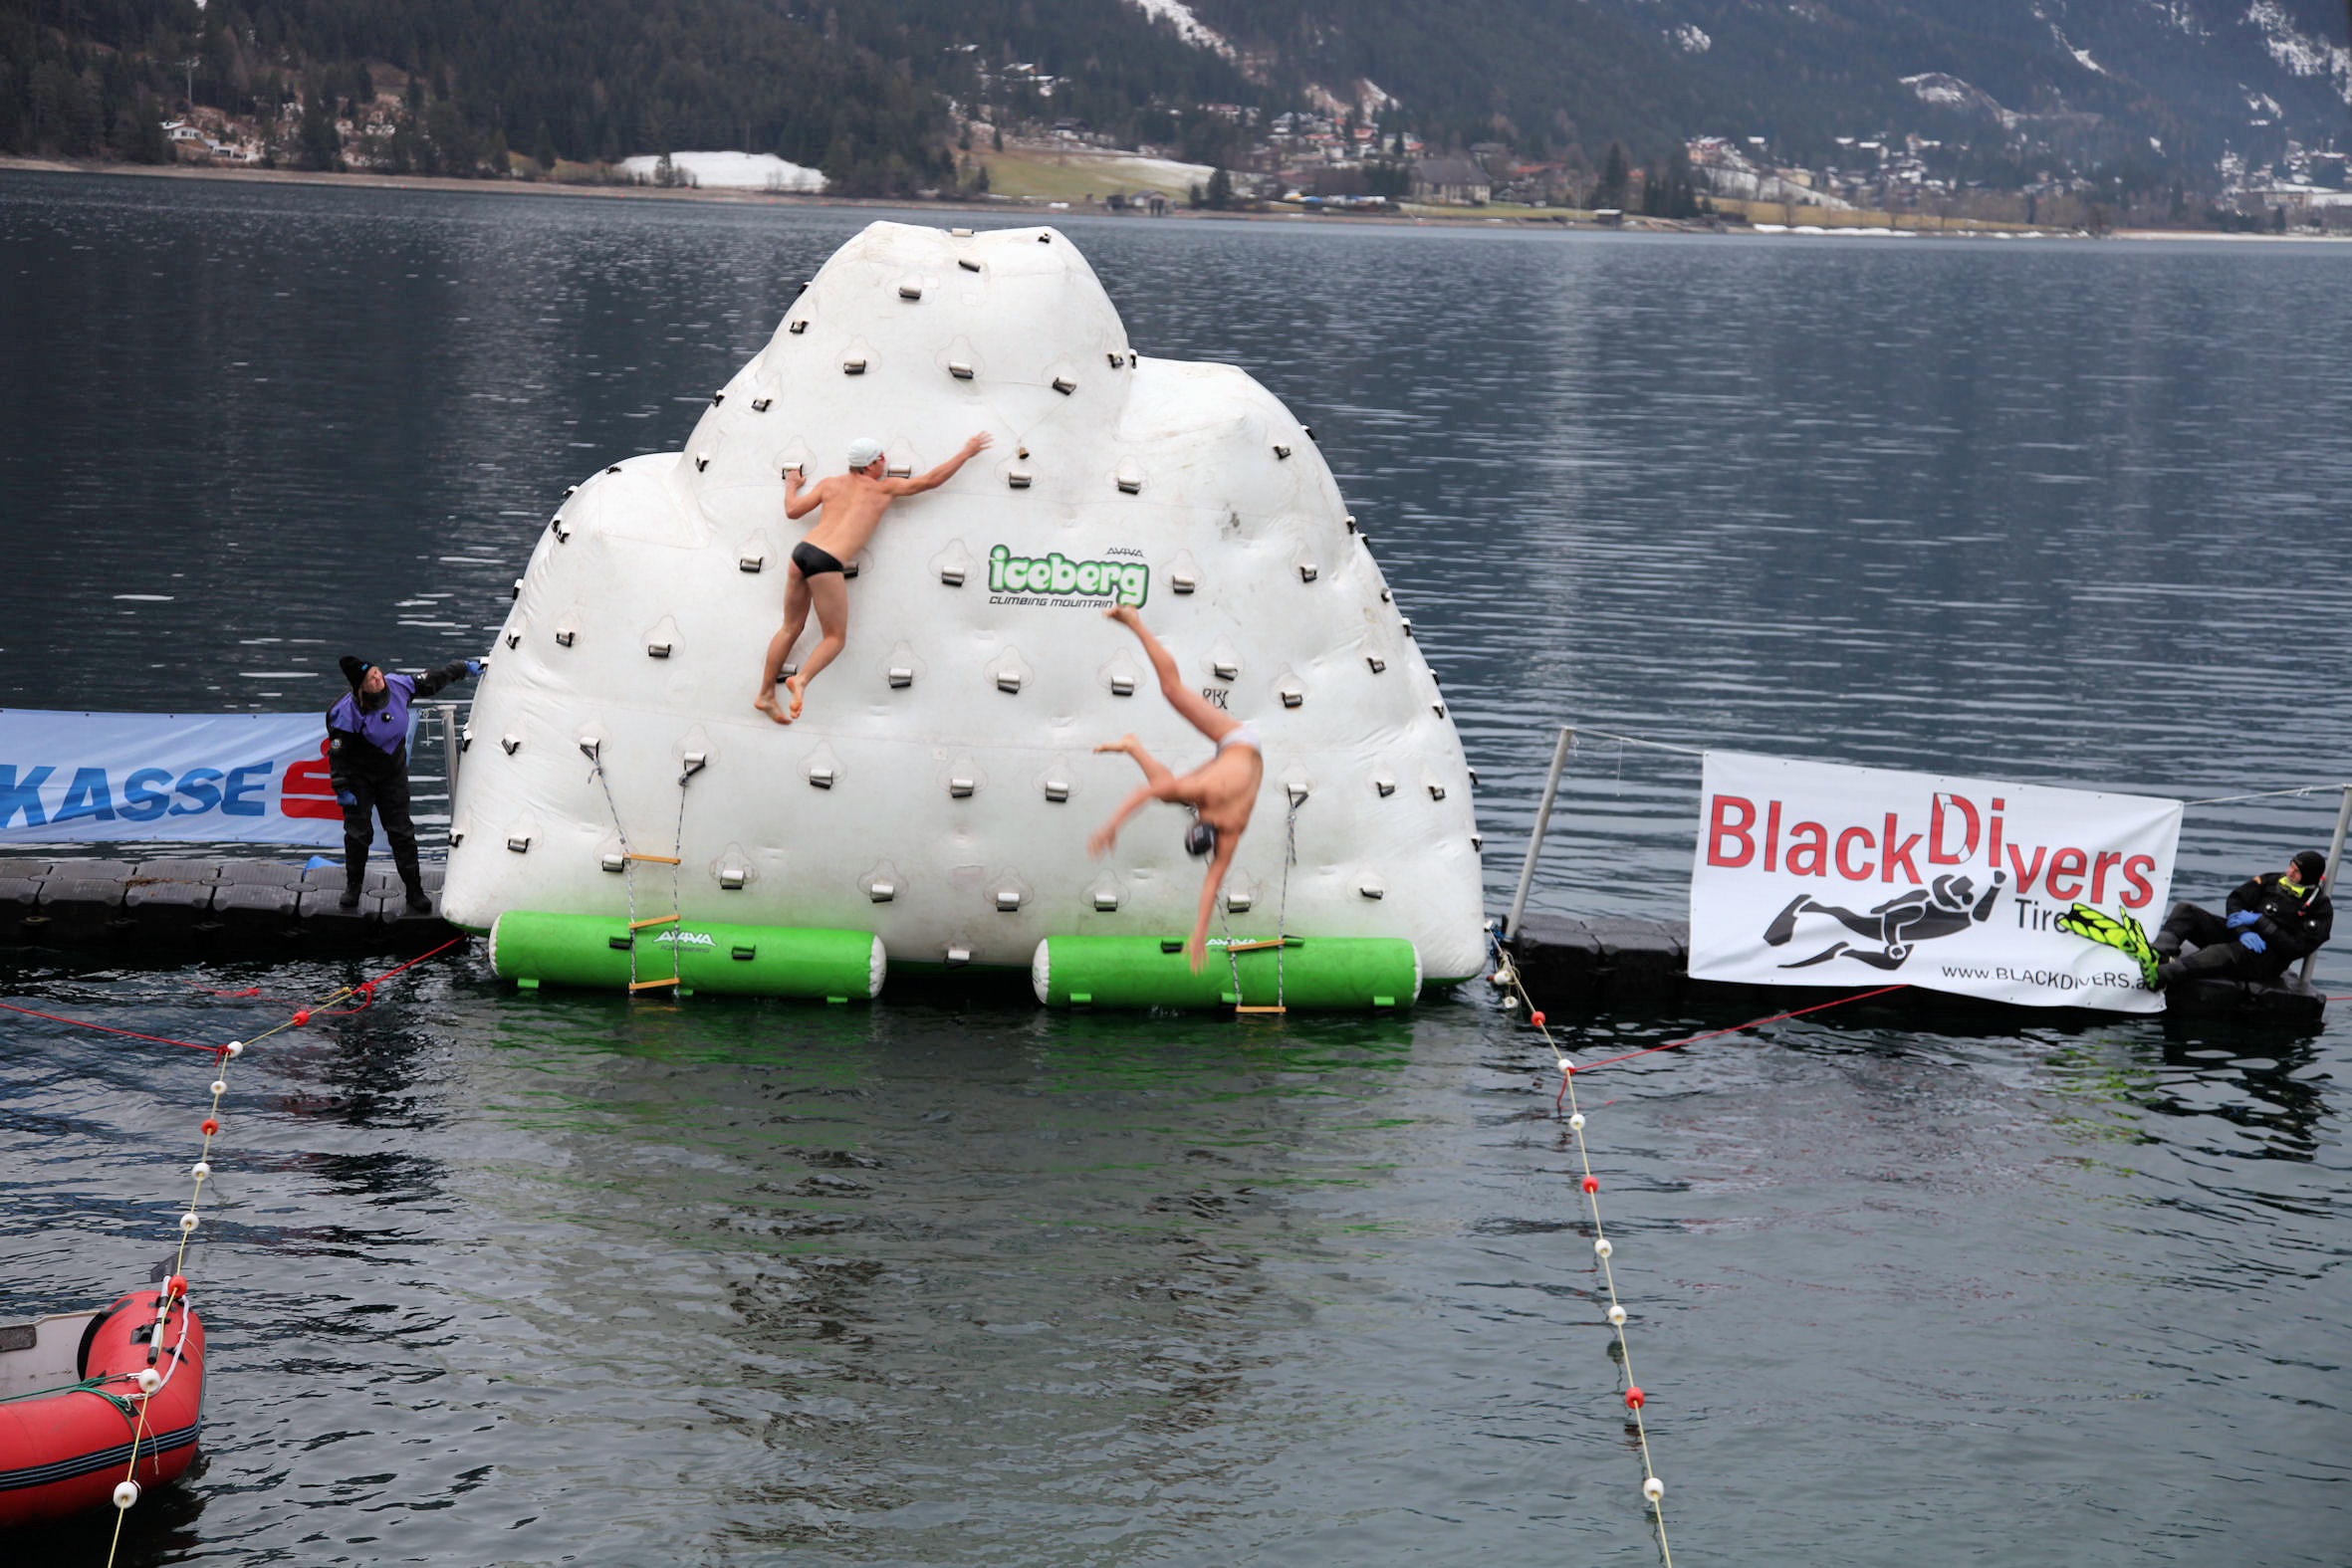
367	759
2274	920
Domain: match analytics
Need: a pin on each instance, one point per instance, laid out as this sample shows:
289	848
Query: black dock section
175	909
1569	964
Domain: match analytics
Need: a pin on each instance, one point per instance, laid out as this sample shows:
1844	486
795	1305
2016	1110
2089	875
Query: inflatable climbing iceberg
939	788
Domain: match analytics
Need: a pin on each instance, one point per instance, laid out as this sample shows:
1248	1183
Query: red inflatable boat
72	1402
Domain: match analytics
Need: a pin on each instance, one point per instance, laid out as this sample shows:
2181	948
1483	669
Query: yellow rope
1508	973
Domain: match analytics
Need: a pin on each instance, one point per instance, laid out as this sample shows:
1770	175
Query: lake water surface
566	1278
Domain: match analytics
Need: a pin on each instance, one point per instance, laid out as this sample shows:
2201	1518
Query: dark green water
568	1279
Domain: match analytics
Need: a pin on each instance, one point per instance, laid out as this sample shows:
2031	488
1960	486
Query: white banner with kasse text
1816	874
110	777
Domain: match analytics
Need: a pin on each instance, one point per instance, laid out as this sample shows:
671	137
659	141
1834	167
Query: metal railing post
449	748
1526	870
2335	857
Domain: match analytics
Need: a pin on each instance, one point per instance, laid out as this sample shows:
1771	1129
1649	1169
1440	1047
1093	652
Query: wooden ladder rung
660	860
657	920
1254	947
1261	1009
647	985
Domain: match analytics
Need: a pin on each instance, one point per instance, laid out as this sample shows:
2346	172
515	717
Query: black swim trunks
814	562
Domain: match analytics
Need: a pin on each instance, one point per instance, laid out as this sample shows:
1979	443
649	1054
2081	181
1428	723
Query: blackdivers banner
1816	874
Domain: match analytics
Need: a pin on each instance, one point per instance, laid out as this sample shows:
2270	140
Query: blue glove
345	798
475	667
2251	942
2244	918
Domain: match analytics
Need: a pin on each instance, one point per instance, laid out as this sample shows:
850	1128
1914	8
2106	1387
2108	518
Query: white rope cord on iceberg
1282	910
677	908
629	862
1281	916
1653	1490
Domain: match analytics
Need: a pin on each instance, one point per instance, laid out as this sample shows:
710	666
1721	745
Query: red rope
1860	995
364	990
105	1027
369	987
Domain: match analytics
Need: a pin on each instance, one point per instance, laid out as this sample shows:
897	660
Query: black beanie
354	669
2309	865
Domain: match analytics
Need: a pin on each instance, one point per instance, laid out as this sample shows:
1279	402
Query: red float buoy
1535	1018
208	1126
1634	1398
1593	1184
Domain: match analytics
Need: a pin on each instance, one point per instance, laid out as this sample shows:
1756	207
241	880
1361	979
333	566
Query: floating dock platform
261	909
173	909
1571	963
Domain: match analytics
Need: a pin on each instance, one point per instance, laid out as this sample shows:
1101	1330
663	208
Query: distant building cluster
2314	183
208	136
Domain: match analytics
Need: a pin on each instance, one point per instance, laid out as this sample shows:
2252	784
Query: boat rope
147	1381
1653	1490
84	1386
1506	975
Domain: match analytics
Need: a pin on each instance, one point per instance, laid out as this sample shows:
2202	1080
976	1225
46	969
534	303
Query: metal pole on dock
2335	857
1559	757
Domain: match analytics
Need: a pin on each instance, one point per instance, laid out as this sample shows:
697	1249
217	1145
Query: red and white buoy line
147	1381
1506	978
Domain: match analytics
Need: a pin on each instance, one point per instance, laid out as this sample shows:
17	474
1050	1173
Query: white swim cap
863	451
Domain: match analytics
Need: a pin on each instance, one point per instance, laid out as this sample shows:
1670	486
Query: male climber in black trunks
854	505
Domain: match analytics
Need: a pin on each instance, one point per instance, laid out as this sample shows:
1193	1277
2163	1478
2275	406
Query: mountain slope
2197	75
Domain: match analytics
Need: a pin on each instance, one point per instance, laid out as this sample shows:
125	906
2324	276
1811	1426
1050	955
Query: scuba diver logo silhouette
1948	906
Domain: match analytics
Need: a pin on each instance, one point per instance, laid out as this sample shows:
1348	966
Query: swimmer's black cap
1200	840
2309	865
354	669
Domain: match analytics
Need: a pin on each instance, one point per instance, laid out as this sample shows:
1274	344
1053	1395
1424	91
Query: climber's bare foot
765	703
799	687
1126	743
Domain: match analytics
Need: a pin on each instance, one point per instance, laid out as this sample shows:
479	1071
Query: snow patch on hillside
729	172
2297	52
1188	27
1949	91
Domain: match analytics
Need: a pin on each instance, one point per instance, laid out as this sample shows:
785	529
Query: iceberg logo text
1057	577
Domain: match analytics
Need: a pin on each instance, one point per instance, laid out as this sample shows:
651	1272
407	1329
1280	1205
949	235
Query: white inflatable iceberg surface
940	785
